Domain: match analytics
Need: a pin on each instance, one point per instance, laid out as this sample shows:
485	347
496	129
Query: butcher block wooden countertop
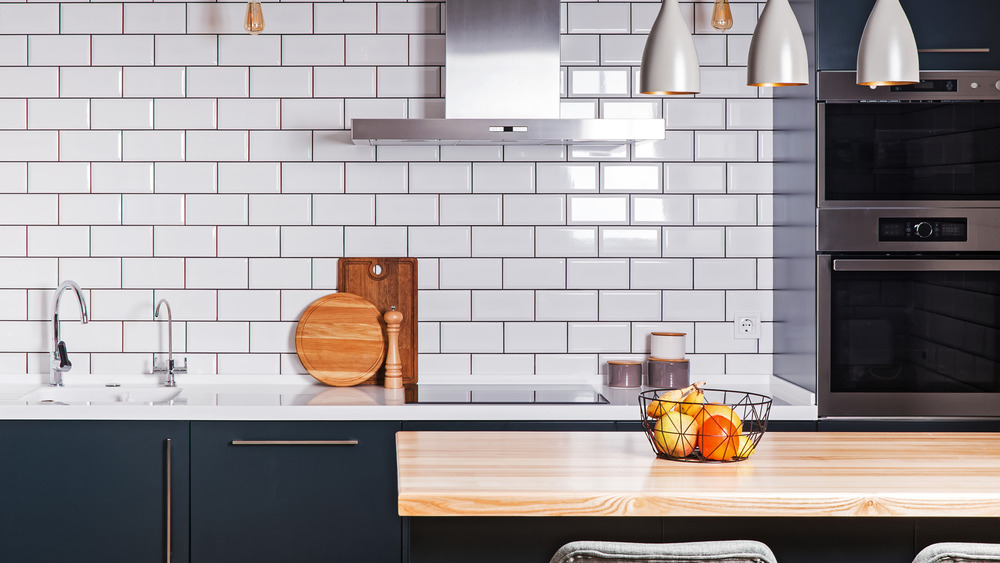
616	474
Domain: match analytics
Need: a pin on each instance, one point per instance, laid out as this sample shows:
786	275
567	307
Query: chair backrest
732	551
955	552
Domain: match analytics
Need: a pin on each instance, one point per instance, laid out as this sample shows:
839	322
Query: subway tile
489	177
312	114
213	209
711	49
429	341
154	18
174	50
58	241
248	113
58	50
584	81
765	210
749	364
16	18
29	273
566	241
406	209
503	364
440	177
216	145
184	177
588	17
216	337
411	82
13	241
751	177
694	306
409	18
761	302
184	241
693	241
295	301
87	209
61	177
121	50
94	337
662	273
289	18
345	17
566	364
471	153
152	209
383	108
220	273
375	241
738	49
14	113
364	177
29	145
725	145
488	305
630	109
631	177
90	146
280	82
344	209
56	113
121	304
121	177
530	153
695	177
249	50
153	145
287	209
312	177
534	209
157	273
719	338
629	241
725	82
765	146
188	304
426	50
90	82
121	114
310	242
567	178
749	114
27	82
629	305
354	82
310	50
749	241
536	337
218	82
621	49
578	108
676	146
662	210
444	305
280	145
725	274
14	50
692	113
471	273
469	210
599	337
427	273
249	177
151	82
641	333
445	364
242	241
406	154
90	18
599	210
580	49
601	273
113	241
180	113
92	272
376	50
216	18
272	337
13	177
13	305
503	241
479	337
28	337
439	241
578	305
725	210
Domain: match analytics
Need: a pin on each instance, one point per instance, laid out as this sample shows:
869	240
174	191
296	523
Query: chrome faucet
169	370
59	362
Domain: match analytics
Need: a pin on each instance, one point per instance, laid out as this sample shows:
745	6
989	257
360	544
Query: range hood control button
923	229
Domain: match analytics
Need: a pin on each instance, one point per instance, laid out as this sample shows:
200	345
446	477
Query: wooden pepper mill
393	367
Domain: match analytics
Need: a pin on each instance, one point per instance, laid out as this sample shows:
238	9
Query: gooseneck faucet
59	362
169	370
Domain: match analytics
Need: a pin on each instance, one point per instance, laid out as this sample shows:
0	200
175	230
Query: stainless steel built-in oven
909	312
935	143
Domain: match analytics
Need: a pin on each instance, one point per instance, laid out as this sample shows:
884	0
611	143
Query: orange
718	438
715	409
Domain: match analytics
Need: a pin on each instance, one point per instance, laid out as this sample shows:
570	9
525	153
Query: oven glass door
899	336
910	151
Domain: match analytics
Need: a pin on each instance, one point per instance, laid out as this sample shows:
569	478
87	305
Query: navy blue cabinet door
937	24
281	492
93	491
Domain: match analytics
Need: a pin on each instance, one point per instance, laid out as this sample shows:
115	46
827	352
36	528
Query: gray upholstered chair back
735	551
959	553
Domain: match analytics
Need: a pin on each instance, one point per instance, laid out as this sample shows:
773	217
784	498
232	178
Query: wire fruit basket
725	427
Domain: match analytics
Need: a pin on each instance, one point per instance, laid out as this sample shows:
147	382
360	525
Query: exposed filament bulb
722	15
254	22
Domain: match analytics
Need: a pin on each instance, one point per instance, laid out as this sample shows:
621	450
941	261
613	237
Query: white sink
101	395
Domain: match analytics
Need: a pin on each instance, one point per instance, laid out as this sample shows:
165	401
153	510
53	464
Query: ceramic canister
667	345
624	374
669	374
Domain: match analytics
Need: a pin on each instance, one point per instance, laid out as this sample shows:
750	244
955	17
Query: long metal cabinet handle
294	442
859	265
965	50
169	507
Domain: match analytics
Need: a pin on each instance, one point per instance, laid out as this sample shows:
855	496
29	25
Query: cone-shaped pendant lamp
777	50
888	51
669	60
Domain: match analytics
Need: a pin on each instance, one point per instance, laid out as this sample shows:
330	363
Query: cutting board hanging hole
377	269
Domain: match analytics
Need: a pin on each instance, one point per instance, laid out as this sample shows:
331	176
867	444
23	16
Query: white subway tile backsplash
121	50
312	114
271	337
13	177
695	178
470	273
153	273
249	305
356	82
121	304
599	337
184	241
308	242
440	241
503	364
537	337
154	18
121	114
180	113
584	81
534	209
280	82
364	177
153	145
598	210
676	146
586	17
90	145
665	273
14	114
604	273
488	177
749	114
376	50
122	177
220	273
16	18
13	241
725	210
29	273
216	145
751	177
121	241
504	305
629	306
312	177
503	241
375	241
631	177
749	241
280	145
662	210
58	241
408	209
90	82
578	305
86	209
720	338
477	337
629	241
469	210
567	178
566	241
440	177
295	301
248	241
247	50
693	241
294	209
725	274
29	145
27	82
580	49
409	18
92	272
619	50
189	177
179	50
725	145
344	209
14	50
711	49
417	82
694	306
218	82
312	50
58	50
726	82
529	273
218	337
60	177
444	305
18	209
90	18
689	113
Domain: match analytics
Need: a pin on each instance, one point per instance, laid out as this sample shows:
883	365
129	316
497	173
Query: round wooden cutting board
339	339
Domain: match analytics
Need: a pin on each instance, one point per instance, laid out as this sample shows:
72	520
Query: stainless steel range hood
502	86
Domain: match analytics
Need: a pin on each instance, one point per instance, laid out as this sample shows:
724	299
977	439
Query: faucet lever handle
63	356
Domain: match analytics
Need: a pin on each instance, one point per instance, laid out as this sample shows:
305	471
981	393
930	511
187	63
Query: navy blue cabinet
280	492
937	25
93	491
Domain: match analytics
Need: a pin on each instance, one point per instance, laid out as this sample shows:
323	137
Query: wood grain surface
394	285
616	474
339	339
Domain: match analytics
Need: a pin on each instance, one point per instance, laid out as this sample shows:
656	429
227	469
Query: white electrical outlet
746	325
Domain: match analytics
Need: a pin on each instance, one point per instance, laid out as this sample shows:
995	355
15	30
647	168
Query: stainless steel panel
502	59
505	131
841	86
918	265
856	229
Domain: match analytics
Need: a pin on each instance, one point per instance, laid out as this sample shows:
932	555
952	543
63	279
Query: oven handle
923	265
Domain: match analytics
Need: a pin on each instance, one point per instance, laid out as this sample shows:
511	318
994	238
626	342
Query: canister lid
669	333
624	362
667	360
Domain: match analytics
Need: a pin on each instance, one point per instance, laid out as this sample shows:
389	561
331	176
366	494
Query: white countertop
214	397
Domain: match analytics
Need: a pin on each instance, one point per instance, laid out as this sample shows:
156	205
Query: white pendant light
888	51
777	50
669	60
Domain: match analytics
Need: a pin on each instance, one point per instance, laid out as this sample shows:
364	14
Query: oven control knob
923	229
997	84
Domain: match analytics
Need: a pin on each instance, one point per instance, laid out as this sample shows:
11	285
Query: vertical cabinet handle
168	461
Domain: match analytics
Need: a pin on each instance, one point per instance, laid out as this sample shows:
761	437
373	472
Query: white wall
154	150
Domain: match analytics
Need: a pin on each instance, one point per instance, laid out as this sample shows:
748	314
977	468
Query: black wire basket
727	427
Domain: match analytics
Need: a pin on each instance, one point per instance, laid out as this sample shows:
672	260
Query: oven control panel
913	229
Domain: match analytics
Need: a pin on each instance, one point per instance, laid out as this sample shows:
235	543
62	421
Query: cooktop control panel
920	230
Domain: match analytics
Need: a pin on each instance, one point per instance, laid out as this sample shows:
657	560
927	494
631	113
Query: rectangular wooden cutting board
387	282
